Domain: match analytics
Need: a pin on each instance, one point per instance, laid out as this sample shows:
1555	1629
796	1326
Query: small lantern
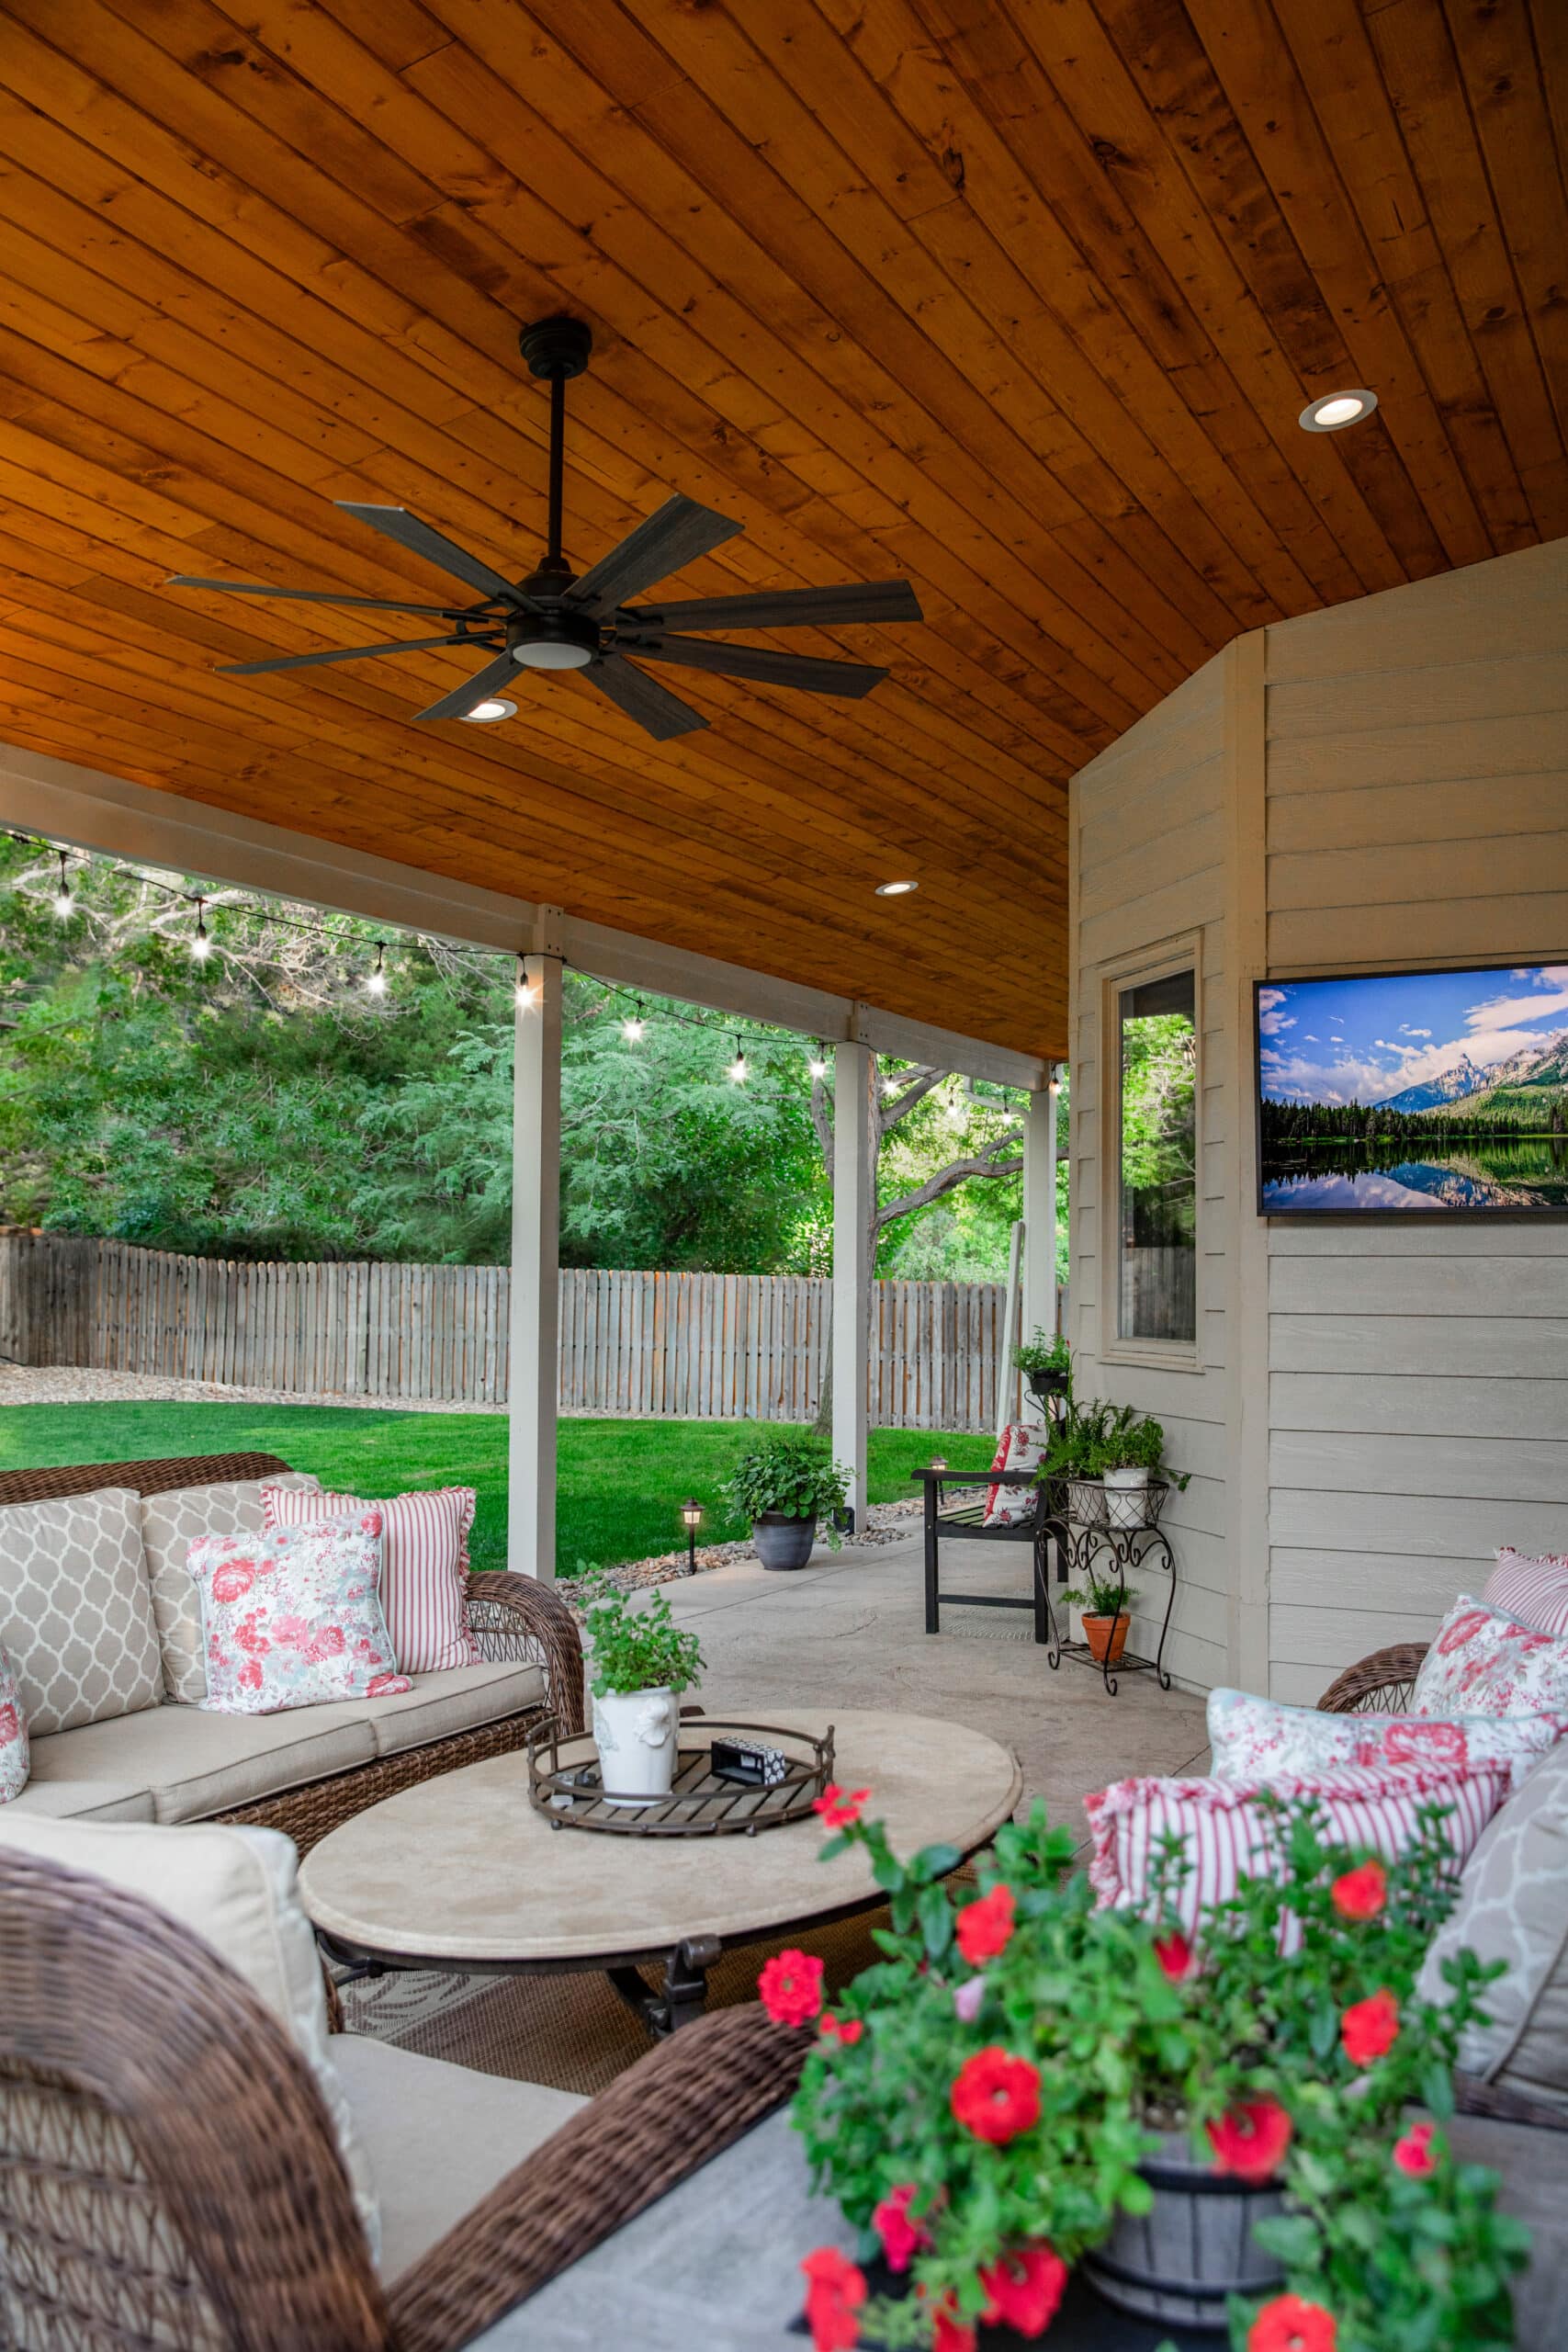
939	1461
691	1520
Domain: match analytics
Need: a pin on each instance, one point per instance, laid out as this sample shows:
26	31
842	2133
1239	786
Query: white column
1040	1212
536	1272
854	1195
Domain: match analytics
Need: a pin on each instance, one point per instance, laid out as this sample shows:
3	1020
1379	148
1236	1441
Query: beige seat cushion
197	1764
438	2137
455	1700
1513	1906
75	1610
67	1799
236	1889
171	1523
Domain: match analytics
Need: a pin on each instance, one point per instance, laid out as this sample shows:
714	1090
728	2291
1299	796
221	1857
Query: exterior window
1157	1104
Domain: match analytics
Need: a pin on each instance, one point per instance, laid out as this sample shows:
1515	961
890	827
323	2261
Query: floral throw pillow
291	1619
1259	1739
1486	1664
1531	1589
1019	1448
425	1565
14	1756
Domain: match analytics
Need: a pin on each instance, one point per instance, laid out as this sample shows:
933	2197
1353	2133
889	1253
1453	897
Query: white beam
1040	1214
855	1191
536	1278
87	810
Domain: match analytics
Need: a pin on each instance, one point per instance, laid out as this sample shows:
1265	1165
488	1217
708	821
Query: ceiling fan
553	620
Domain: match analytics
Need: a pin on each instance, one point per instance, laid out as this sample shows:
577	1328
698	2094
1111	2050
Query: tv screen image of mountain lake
1415	1091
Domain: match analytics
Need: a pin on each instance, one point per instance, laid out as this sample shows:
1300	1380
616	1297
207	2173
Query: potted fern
1046	1363
784	1485
639	1661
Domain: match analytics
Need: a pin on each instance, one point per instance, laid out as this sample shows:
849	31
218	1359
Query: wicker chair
1380	1684
168	2176
510	1618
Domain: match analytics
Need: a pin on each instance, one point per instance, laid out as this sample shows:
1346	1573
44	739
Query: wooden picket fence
717	1347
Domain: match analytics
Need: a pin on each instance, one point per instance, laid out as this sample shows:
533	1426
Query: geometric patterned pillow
425	1565
75	1613
1259	1739
291	1618
12	1735
1533	1591
1484	1664
170	1525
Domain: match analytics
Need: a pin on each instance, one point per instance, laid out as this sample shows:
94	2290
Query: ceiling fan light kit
554	620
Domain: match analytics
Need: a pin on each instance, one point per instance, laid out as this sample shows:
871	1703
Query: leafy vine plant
792	1477
981	2100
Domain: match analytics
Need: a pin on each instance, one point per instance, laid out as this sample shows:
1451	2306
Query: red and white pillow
290	1619
425	1565
1020	1447
1531	1588
1259	1739
1482	1663
15	1761
1227	1835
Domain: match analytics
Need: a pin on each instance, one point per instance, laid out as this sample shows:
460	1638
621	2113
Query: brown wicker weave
1378	1685
509	1617
166	2165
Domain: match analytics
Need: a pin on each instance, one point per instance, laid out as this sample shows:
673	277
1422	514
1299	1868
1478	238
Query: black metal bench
967	1523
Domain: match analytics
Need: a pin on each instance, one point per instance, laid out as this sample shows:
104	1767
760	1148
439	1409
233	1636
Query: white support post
854	1194
1040	1144
535	1271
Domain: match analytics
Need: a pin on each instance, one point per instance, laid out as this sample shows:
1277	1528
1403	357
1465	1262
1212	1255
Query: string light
201	946
525	994
375	981
1055	1086
738	1067
64	905
818	1065
635	1028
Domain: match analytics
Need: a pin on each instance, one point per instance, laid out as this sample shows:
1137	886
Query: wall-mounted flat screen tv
1414	1094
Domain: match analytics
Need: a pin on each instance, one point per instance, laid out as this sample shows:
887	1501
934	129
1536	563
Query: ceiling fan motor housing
560	640
557	347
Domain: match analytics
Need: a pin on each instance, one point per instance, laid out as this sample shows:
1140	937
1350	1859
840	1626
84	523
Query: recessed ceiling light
1333	411
896	889
485	714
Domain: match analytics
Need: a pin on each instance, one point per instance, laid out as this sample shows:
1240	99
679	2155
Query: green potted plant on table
1046	1363
639	1661
784	1485
1103	1602
1125	1460
1026	2082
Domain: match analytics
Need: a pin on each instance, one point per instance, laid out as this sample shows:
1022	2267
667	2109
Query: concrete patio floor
849	1630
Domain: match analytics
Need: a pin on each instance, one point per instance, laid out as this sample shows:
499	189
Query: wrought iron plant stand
1078	1519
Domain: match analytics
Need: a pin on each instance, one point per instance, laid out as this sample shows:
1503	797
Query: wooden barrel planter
1177	2263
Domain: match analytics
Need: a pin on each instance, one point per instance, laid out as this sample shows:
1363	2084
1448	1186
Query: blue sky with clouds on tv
1363	1040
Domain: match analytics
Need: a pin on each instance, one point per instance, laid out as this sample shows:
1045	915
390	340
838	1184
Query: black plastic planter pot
1043	1384
1179	2261
782	1543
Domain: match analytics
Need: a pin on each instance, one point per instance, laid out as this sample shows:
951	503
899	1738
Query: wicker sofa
309	1770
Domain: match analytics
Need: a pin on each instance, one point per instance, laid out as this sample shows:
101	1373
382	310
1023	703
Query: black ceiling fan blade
321	596
880	600
345	653
494	679
756	663
643	698
422	539
667	542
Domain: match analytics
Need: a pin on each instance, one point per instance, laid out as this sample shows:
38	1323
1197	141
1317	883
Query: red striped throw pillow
1020	1447
424	1569
1227	1834
1533	1591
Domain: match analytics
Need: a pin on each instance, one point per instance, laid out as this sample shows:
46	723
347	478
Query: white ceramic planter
1126	1499
637	1733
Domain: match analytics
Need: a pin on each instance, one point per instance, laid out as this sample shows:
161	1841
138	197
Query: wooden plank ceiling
1018	298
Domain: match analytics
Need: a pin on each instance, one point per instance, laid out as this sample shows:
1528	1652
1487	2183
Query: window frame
1167	961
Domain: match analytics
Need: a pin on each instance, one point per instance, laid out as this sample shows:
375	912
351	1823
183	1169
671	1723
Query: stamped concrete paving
849	1630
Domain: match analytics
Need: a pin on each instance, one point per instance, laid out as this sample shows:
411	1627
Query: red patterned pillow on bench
1020	1447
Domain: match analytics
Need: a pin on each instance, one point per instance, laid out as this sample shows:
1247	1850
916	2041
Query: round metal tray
566	1786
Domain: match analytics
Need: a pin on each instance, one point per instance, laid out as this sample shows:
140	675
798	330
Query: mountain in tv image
1528	1086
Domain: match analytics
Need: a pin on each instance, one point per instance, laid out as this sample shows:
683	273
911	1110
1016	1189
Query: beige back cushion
76	1611
236	1889
1513	1906
170	1524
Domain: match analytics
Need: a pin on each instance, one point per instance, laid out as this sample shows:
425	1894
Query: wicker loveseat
310	1770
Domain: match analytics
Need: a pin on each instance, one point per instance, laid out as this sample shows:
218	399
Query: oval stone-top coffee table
460	1872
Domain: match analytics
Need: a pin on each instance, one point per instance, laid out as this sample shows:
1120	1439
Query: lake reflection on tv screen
1327	1178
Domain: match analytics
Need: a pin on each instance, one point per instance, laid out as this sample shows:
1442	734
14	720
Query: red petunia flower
1251	2139
1368	2027
1360	1893
790	1987
835	2290
839	1806
1023	2289
845	2030
996	2096
1289	2324
949	2331
901	2238
1415	2154
1175	1955
985	1929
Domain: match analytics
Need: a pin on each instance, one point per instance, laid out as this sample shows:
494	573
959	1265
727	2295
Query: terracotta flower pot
1104	1634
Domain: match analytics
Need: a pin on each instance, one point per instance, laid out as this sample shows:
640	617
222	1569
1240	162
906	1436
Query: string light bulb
1054	1087
738	1067
890	1086
64	904
633	1029
524	995
201	946
818	1065
375	981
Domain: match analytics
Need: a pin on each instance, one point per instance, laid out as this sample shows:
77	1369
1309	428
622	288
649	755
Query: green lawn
620	1481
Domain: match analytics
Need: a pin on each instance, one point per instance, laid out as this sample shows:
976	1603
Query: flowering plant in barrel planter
1026	2082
